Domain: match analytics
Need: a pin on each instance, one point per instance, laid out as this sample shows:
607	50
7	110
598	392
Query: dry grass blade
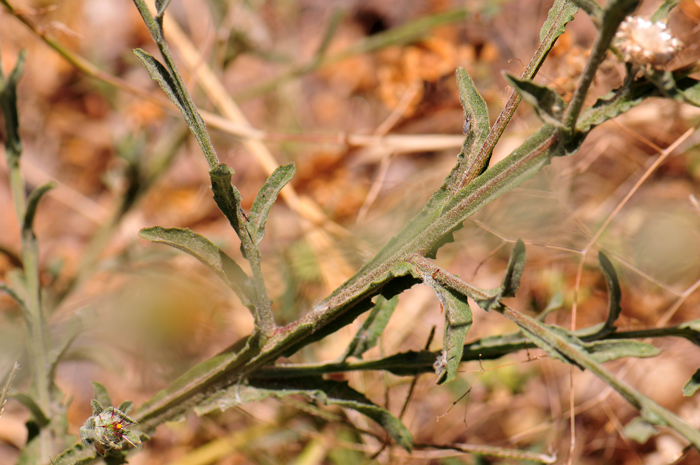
8	385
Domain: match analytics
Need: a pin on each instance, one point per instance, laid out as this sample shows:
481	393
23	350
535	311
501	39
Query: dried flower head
642	42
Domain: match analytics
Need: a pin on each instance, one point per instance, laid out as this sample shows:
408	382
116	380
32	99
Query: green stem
614	14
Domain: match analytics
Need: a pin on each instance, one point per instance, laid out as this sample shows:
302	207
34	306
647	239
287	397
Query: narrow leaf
101	395
604	351
458	320
228	198
372	328
74	327
33	203
514	271
8	105
126	406
79	454
476	115
640	430
693	384
661	13
264	200
315	388
511	279
162	76
591	8
555	303
559	15
547	103
161	6
37	413
614	292
206	252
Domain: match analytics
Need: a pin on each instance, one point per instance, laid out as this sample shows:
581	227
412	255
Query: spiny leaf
8	105
547	103
101	395
264	200
206	252
614	293
640	430
328	392
693	384
162	76
561	13
372	328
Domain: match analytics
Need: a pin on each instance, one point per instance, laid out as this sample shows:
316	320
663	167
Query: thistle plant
247	371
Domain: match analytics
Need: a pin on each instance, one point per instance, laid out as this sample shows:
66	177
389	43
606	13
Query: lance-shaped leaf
548	104
372	328
162	76
458	320
264	200
640	430
206	252
315	388
8	105
511	279
693	384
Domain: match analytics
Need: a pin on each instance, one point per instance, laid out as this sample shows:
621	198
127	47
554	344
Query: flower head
643	42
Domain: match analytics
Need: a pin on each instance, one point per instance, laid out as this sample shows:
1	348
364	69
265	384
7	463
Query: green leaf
372	328
28	401
101	396
458	320
264	200
12	293
79	454
555	303
561	13
693	384
74	327
614	293
547	103
640	430
32	204
206	252
162	76
511	279
661	13
604	351
8	105
126	406
476	116
591	8
228	198
314	388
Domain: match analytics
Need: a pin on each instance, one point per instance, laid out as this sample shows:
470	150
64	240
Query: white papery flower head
646	43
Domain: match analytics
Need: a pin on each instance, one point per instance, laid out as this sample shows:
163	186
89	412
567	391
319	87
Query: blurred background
321	82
